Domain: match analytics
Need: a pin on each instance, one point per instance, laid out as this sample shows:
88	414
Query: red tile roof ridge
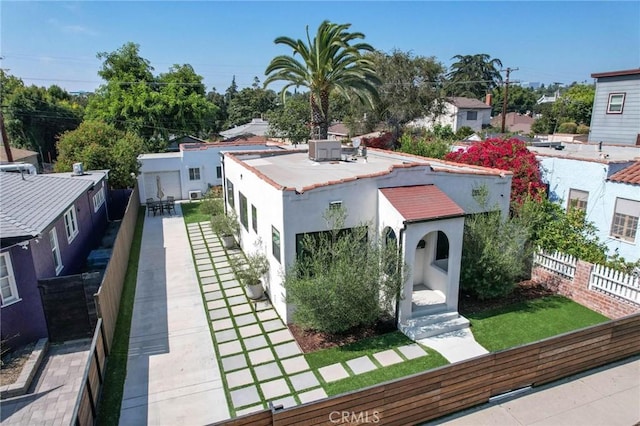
629	175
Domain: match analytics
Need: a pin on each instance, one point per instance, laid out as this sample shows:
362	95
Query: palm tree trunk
319	114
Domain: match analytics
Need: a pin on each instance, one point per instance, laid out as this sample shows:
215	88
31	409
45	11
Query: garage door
170	182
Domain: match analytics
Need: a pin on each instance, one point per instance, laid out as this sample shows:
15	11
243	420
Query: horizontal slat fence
445	390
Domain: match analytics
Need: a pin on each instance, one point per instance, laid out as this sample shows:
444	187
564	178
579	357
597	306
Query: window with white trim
8	289
55	250
98	199
71	224
472	115
578	199
219	172
194	173
616	103
625	219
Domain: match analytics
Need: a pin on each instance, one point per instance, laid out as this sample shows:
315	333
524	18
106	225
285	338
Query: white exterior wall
456	118
154	165
564	174
616	128
460	189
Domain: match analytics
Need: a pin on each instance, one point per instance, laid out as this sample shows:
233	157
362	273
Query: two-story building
280	196
48	225
459	112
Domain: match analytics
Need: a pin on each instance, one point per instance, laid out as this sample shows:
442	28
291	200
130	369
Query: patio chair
152	206
170	204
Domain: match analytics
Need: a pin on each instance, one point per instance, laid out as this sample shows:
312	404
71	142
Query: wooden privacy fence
108	306
445	390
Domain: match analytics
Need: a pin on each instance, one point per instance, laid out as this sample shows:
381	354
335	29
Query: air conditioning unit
325	150
195	195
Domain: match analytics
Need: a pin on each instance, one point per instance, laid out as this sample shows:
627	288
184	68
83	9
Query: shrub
225	225
568	127
464	132
436	148
384	141
583	129
212	204
338	281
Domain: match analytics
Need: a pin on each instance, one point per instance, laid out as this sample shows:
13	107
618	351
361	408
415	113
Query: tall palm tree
474	75
328	63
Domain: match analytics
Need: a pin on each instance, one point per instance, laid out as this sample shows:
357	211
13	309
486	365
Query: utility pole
5	139
506	95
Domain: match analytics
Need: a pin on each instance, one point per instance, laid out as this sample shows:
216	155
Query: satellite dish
356	142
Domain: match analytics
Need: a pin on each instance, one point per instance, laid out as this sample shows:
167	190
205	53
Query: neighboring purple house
48	225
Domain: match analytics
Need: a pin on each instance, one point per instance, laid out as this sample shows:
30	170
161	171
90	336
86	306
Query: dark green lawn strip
354	350
433	360
530	321
109	408
192	214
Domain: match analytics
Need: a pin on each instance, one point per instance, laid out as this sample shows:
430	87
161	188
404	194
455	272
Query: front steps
434	324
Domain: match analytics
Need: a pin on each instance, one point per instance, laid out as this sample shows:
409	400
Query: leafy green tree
410	87
433	147
474	75
291	120
101	146
341	280
249	103
575	104
521	100
332	61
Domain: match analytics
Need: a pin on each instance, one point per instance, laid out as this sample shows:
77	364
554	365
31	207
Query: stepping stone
245	319
225	335
217	314
333	372
216	304
249	410
245	396
229	283
250	330
239	378
312	395
267	371
287	350
241	309
388	357
263	305
201	254
234	362
268	315
236	300
272	325
304	380
209	280
255	342
286	402
222	324
236	291
224	270
203	261
227	277
208	288
221	262
280	336
294	365
229	348
261	356
274	388
361	365
213	295
209	273
412	351
204	267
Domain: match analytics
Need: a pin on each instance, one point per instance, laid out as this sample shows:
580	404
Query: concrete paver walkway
55	389
608	395
172	370
456	345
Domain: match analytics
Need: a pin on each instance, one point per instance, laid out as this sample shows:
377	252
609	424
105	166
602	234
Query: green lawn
192	214
530	321
109	409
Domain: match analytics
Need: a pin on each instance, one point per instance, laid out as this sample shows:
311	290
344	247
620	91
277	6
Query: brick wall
577	289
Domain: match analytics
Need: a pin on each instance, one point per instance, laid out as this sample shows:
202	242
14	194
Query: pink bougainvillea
511	155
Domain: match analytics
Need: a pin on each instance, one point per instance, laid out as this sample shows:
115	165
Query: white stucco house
615	117
605	182
459	112
280	196
190	172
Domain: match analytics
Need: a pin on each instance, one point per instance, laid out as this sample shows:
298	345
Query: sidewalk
172	369
609	395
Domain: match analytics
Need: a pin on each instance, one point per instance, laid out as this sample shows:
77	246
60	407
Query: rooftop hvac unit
195	195
325	150
78	169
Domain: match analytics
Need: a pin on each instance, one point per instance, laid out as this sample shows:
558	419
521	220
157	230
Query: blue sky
48	43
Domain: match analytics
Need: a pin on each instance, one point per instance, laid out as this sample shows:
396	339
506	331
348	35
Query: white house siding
616	128
456	118
563	174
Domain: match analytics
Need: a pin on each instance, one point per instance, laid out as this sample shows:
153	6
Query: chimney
487	99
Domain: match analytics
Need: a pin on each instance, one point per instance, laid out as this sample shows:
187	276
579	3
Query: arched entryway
430	273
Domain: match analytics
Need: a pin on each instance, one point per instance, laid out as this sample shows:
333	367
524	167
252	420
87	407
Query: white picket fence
615	282
560	263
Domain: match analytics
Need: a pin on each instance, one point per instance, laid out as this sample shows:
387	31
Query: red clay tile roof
630	175
416	203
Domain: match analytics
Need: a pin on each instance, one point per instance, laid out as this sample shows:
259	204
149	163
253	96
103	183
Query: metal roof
30	203
424	202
